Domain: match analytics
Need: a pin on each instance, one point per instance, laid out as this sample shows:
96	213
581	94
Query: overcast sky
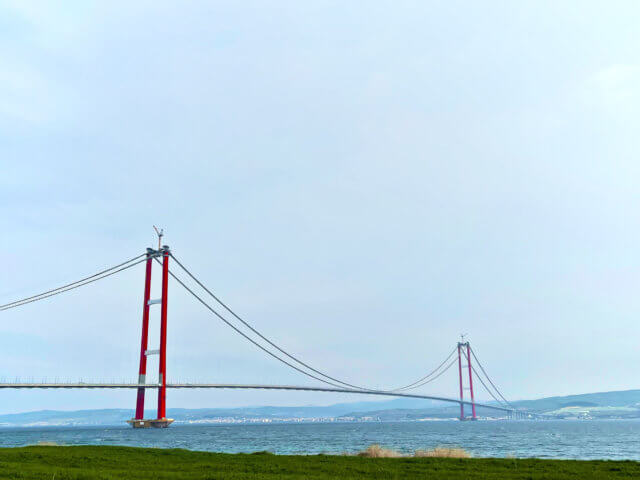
363	181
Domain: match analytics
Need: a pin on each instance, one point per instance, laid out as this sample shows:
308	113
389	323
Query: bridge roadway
256	387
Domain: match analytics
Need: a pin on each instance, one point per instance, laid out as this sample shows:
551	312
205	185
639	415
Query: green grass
63	463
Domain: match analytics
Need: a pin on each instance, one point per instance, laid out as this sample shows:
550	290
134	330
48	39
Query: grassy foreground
62	463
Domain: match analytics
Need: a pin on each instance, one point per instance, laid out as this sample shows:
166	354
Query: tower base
150	423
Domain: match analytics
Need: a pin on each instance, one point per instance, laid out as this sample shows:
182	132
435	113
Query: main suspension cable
411	385
71	286
488	378
249	338
500	402
478	377
281	350
246	324
434	378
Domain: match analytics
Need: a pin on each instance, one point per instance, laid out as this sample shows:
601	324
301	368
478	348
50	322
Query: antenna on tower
462	335
160	233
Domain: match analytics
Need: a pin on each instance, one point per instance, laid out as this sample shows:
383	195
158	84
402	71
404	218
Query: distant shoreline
270	422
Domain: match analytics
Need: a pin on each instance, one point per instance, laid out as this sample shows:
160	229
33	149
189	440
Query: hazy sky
364	181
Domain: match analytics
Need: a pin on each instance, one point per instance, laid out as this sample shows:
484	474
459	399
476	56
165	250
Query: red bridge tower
464	351
161	421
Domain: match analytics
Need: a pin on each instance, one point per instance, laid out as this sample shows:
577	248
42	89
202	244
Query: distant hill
622	398
617	404
620	404
202	415
334	410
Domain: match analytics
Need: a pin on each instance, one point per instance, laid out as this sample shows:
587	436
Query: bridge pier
150	423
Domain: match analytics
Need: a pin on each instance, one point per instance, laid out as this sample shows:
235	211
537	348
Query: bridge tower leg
473	403
460	378
142	372
162	364
161	421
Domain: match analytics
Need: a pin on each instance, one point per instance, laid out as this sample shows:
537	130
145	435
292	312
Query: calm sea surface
597	439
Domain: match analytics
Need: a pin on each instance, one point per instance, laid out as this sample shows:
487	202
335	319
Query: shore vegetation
111	463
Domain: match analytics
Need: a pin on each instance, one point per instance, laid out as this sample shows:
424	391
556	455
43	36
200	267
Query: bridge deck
248	387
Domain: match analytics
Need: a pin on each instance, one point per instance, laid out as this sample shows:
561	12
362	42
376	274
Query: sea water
588	439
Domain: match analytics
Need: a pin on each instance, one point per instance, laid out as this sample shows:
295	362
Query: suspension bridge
461	355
